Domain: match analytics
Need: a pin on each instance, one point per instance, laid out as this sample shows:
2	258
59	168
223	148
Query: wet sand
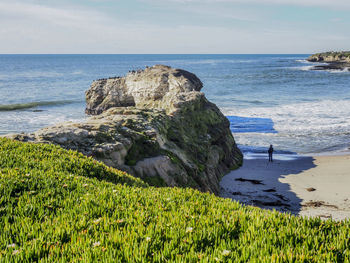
316	186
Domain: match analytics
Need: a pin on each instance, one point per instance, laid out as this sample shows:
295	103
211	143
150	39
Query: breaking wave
300	127
29	105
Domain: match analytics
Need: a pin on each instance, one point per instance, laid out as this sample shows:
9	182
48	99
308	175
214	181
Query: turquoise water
269	99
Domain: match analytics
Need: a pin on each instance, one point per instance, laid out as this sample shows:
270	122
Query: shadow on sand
257	183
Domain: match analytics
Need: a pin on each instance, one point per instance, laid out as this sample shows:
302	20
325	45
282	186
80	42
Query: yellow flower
226	253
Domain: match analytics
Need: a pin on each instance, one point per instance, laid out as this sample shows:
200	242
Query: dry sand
307	186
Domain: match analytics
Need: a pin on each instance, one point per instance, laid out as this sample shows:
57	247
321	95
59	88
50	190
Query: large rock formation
331	60
156	88
154	124
340	57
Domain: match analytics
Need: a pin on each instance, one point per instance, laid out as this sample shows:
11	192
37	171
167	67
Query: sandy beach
317	186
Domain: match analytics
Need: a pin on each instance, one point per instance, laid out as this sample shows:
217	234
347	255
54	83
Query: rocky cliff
332	60
154	124
340	57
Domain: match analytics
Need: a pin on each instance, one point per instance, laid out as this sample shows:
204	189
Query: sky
173	26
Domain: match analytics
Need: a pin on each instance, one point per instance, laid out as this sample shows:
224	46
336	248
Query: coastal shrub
341	54
59	206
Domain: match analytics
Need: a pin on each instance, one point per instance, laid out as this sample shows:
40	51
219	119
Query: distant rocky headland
332	60
154	124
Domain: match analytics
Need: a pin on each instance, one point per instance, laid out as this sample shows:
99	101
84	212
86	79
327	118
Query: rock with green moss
154	124
331	61
342	56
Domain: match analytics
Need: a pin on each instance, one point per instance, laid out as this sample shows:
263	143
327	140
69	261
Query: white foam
344	70
322	116
305	68
27	121
302	61
311	126
282	157
312	67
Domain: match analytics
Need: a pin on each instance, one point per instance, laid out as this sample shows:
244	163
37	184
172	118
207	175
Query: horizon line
1	54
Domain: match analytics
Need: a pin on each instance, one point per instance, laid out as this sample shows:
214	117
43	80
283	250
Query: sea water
269	99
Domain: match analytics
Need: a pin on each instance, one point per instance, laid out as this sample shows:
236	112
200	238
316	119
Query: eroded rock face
331	57
153	87
154	124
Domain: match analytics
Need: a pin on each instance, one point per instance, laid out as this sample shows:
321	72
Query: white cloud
315	3
17	11
34	28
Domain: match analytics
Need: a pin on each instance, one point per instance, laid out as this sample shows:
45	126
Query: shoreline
339	66
311	186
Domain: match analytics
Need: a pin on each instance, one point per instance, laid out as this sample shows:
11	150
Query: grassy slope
58	205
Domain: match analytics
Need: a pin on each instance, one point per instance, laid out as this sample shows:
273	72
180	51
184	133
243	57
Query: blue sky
174	26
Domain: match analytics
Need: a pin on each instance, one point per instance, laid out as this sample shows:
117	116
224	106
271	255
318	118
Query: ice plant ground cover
60	206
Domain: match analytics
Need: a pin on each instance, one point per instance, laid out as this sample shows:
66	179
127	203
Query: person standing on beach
270	151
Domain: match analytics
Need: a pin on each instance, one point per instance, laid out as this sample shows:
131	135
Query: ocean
269	99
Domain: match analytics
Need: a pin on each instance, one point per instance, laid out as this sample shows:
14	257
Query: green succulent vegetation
59	206
335	53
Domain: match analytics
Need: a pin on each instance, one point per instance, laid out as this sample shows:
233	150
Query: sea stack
154	124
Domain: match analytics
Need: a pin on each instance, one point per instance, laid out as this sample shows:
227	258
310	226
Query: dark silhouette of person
270	151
